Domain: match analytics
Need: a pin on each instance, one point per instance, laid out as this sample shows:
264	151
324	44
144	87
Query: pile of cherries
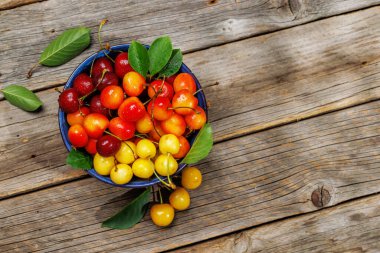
135	127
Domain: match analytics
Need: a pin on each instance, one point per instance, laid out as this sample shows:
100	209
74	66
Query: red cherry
78	116
122	129
97	107
174	125
131	109
91	146
68	100
122	66
184	147
95	124
101	64
109	79
184	102
171	79
159	106
184	81
164	89
83	84
108	145
77	136
112	96
196	119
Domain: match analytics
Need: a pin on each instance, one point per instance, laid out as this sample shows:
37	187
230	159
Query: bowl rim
83	66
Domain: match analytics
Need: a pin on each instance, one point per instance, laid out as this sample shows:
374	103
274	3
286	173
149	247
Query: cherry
83	84
97	107
91	146
68	100
174	125
122	66
171	79
78	116
108	145
109	78
157	131
145	124
184	147
196	119
185	81
77	136
162	214
123	129
159	107
180	199
112	96
101	64
133	84
184	102
191	178
164	89
131	109
95	124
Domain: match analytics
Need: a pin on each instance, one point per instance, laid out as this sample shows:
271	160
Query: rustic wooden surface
350	227
301	78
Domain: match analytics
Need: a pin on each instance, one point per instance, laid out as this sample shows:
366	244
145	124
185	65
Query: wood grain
350	227
192	25
283	79
247	181
10	4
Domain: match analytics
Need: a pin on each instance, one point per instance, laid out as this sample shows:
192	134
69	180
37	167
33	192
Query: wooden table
294	89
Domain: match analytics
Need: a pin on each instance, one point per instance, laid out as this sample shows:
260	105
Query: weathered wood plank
247	181
282	80
350	227
10	4
192	25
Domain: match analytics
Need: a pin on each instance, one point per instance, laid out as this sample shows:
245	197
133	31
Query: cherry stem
101	80
153	193
171	185
57	90
117	137
159	178
30	72
142	136
102	23
197	92
159	191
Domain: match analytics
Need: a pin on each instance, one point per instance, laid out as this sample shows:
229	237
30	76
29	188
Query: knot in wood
320	197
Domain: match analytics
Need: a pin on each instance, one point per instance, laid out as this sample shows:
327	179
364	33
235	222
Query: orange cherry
122	129
95	124
184	102
78	116
112	96
196	119
185	81
164	89
174	125
133	84
160	108
145	124
184	147
157	131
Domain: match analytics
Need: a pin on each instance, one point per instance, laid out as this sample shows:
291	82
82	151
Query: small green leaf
159	54
173	65
66	46
131	214
201	146
79	160
138	58
21	97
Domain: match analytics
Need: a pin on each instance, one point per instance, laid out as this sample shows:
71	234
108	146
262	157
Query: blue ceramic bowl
64	127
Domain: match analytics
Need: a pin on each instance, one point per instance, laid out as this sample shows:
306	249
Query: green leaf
201	146
138	58
173	65
131	214
159	54
79	160
66	46
21	97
